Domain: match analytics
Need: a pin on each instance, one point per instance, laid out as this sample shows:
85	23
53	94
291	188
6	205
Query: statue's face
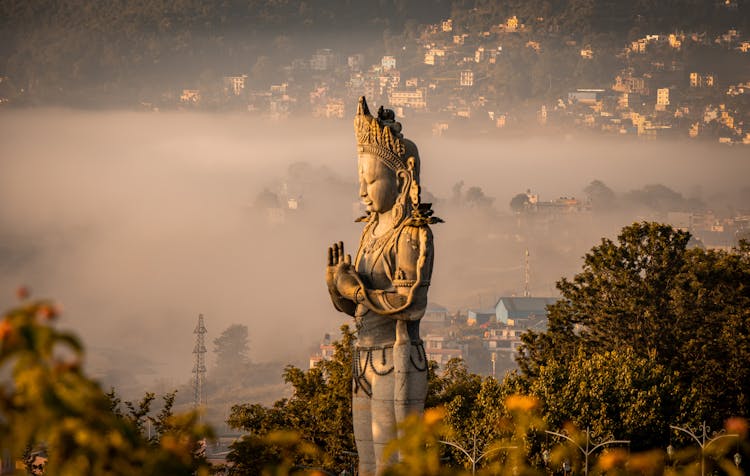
378	185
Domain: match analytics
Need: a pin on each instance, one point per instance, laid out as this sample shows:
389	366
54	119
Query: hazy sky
138	222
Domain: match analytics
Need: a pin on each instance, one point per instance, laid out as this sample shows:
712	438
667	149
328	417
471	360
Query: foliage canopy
676	318
50	402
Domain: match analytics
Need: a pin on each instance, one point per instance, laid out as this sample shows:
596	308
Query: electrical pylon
199	370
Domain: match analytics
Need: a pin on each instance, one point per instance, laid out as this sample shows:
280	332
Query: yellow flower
612	459
5	329
647	463
82	437
736	426
433	415
523	403
115	439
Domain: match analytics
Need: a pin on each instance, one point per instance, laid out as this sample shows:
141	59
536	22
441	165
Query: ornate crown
380	136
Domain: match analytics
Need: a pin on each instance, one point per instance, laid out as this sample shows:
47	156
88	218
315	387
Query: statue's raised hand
333	261
339	277
345	277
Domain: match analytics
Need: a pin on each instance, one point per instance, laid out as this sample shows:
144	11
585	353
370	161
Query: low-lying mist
139	222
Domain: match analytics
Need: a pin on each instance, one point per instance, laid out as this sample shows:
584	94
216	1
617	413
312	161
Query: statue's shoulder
423	217
416	228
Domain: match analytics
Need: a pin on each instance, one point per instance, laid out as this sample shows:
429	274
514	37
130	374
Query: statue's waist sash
377	361
376	330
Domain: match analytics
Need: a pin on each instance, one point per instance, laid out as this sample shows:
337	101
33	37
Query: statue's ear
404	181
413	185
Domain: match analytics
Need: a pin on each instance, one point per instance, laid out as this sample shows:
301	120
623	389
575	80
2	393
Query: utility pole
703	441
473	457
589	449
199	380
526	275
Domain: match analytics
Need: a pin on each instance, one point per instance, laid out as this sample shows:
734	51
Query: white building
662	99
327	350
388	63
414	99
235	84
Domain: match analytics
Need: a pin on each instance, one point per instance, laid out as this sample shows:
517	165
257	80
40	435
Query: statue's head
388	164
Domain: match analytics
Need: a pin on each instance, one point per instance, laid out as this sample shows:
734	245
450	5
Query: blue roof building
520	310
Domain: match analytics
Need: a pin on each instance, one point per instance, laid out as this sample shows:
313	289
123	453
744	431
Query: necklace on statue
375	243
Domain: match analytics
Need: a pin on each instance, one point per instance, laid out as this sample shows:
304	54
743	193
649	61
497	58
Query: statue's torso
376	264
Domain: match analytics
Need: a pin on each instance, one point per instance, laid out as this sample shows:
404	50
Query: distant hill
54	45
85	51
619	19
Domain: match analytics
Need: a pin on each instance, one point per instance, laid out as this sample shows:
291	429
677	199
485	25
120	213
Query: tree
614	393
262	73
319	411
519	202
457	192
231	349
601	197
687	310
139	414
660	198
475	197
475	411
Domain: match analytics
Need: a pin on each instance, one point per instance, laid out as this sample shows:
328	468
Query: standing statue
385	289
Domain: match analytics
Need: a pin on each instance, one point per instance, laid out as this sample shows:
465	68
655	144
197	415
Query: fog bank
138	222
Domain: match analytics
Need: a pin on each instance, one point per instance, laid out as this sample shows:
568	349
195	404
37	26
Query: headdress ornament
380	136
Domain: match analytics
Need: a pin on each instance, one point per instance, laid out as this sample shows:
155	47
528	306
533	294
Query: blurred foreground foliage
424	439
47	401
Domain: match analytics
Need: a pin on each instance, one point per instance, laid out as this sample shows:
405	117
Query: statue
385	288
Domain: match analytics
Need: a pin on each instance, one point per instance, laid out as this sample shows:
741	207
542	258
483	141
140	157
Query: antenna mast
199	369
526	275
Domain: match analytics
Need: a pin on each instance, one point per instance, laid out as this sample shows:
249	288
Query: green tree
319	411
686	310
473	410
614	393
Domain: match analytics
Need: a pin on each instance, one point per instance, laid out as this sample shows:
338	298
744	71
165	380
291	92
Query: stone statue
385	288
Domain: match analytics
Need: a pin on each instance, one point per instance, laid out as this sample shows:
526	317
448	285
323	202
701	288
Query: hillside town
457	79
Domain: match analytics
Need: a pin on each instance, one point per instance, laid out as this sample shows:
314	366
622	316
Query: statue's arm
407	298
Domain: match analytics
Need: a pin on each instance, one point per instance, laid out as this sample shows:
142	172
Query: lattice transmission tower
199	379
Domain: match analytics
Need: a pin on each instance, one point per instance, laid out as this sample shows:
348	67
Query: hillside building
323	60
523	312
662	99
235	85
442	348
414	99
388	63
698	80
